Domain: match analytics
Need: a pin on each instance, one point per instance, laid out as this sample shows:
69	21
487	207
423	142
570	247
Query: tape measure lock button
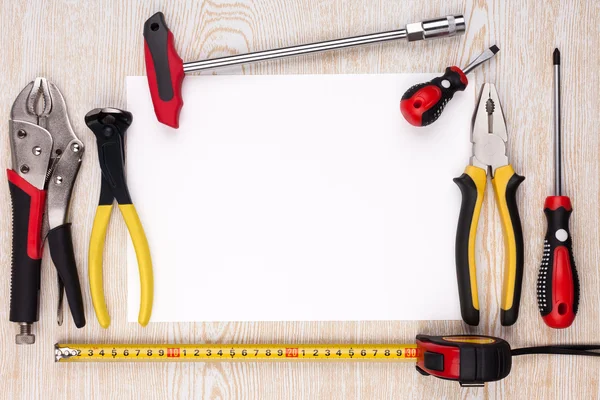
433	361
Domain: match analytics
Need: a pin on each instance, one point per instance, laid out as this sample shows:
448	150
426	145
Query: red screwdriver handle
558	282
423	104
164	68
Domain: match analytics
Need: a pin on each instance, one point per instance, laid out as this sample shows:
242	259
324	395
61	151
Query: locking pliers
46	156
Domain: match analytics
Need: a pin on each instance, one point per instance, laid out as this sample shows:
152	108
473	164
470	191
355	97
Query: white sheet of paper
297	198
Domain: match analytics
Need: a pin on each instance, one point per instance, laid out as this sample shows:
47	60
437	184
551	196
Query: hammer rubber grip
164	68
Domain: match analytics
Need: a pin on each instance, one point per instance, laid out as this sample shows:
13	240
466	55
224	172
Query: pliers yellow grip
109	125
489	154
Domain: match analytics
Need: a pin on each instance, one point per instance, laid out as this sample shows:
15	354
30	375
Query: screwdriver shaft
557	129
483	57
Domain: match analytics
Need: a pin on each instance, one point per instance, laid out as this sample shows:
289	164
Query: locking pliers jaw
45	150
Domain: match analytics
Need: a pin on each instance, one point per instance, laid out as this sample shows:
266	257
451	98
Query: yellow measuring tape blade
235	352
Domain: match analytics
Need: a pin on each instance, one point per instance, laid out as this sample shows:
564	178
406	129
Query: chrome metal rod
483	57
557	123
436	28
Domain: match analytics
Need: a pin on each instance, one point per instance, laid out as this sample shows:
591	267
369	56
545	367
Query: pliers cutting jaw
109	125
46	156
489	138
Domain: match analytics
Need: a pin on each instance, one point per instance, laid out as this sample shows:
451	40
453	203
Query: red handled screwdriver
558	283
423	103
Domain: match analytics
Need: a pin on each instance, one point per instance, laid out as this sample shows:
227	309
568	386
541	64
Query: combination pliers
489	137
46	156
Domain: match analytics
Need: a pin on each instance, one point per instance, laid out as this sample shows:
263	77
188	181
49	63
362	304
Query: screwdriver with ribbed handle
558	283
423	103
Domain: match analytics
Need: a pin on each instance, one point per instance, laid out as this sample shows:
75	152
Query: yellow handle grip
95	263
142	252
472	186
506	182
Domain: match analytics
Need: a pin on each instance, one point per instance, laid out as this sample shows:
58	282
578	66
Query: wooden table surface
87	49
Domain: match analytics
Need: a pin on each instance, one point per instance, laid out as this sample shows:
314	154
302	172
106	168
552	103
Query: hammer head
164	68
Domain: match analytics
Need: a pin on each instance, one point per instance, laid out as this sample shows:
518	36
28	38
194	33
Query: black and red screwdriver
558	283
423	103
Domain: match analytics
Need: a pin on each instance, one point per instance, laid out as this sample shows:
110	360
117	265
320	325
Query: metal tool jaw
489	135
45	150
109	125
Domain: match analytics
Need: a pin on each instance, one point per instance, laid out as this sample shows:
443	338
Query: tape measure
470	360
236	352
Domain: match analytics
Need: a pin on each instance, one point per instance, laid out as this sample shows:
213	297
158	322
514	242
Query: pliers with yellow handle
109	125
489	137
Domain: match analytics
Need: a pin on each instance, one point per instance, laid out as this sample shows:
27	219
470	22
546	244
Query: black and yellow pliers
109	125
489	137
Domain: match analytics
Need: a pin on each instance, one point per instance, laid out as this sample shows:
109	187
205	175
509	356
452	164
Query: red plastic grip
555	202
164	69
37	206
563	295
449	354
422	104
423	100
558	283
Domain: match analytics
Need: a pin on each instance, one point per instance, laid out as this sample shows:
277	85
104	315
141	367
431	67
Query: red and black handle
558	282
28	204
423	104
475	360
470	360
164	69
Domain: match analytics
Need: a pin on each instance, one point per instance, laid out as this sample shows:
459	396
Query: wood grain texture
87	49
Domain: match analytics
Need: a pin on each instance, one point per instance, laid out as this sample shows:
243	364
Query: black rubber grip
61	250
156	35
25	276
467	209
509	317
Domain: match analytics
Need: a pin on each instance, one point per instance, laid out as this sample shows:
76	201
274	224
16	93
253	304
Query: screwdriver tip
494	49
556	57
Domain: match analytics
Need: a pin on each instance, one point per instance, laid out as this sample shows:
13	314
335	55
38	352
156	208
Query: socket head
451	25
